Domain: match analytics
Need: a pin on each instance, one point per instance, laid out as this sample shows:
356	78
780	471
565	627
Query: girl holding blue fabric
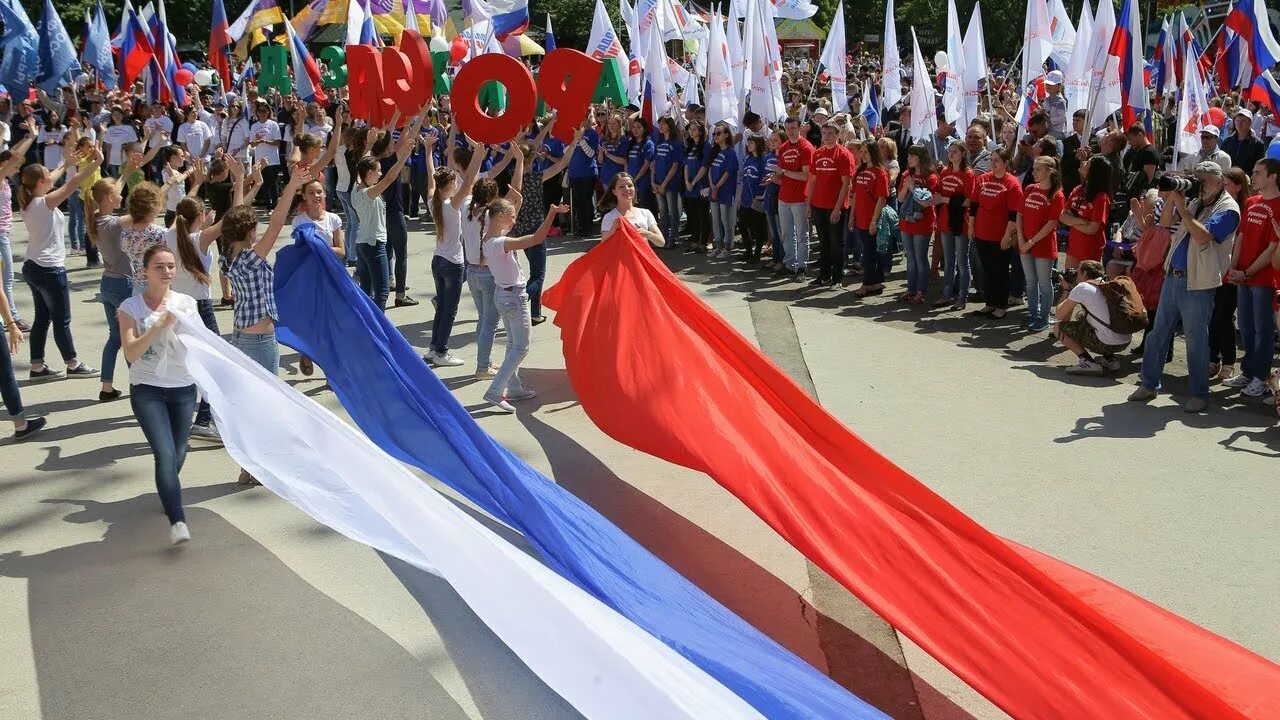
697	201
724	191
668	163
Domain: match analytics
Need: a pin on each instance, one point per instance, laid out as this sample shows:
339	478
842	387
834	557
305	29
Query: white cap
1053	78
1211	129
1244	112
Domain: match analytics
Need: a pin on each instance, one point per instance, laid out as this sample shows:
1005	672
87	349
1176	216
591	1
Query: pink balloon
183	77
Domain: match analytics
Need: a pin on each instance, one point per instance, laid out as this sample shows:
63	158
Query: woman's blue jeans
112	292
165	417
917	252
723	223
7	271
371	269
76	224
876	265
537	257
669	221
9	382
350	225
1039	275
448	278
956	271
261	348
480	282
52	296
1257	330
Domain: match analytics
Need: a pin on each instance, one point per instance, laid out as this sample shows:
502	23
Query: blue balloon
191	66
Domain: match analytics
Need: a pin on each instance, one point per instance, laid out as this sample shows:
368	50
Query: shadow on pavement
129	627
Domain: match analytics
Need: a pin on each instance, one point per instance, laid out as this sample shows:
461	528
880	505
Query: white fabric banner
924	113
833	58
1079	76
1064	34
604	41
890	63
953	91
975	61
1037	39
766	67
722	96
601	663
1192	111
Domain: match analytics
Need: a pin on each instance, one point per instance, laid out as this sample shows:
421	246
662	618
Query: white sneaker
1255	388
500	403
1239	381
178	533
448	359
1085	367
206	432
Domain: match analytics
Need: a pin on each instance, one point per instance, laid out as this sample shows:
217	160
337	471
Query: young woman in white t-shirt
175	181
114	138
162	392
448	194
45	269
500	254
618	202
52	134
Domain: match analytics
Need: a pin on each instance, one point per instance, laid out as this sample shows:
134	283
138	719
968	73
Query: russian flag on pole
306	73
220	45
1249	19
1126	46
135	51
509	17
1162	61
1266	90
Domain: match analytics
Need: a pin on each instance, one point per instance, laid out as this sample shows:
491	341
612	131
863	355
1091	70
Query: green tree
571	19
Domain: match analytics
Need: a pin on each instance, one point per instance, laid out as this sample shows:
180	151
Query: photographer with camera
1202	217
1085	321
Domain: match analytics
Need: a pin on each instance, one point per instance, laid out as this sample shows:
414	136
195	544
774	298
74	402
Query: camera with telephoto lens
1064	278
1189	187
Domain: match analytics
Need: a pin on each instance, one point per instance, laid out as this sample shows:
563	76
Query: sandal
862	292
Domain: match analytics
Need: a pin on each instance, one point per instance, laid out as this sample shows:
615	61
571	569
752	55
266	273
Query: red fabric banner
660	371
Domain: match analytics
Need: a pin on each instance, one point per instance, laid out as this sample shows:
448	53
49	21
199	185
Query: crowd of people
1099	232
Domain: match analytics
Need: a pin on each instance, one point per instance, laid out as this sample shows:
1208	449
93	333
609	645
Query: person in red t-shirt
1086	213
955	187
1252	271
830	172
993	215
1042	203
870	193
917	232
794	158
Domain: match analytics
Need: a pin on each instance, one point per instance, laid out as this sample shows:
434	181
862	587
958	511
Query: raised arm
335	139
19	151
539	236
469	177
59	195
267	241
564	160
403	148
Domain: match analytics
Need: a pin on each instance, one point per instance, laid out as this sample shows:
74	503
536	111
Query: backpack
1124	304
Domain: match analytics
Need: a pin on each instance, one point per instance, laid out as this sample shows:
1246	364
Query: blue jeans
794	223
513	307
448	277
537	257
724	218
1257	330
1039	275
261	348
1193	307
8	381
52	297
775	237
397	249
480	282
165	417
956	273
76	227
371	268
876	265
6	272
210	320
112	292
917	252
669	221
350	225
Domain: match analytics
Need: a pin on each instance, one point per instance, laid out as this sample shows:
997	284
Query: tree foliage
188	21
571	19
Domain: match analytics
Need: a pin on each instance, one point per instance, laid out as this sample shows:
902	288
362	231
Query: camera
1185	185
1065	277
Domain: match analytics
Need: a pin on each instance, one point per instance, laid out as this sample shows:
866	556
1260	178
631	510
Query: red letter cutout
522	98
397	83
567	81
417	52
365	96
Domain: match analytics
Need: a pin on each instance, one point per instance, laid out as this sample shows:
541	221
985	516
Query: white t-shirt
115	138
504	265
321	131
174	189
326	225
183	281
164	130
372	213
638	216
46	232
193	135
161	365
449	246
268	131
470	232
238	139
53	151
1090	296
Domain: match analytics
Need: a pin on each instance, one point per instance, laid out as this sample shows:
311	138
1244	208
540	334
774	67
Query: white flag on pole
355	21
924	114
722	98
766	67
795	9
604	42
733	37
891	63
1079	76
1037	40
953	89
833	59
975	62
1064	34
656	72
1104	89
1193	112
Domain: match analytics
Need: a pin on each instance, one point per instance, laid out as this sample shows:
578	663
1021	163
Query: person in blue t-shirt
614	146
668	180
697	201
724	191
751	199
776	138
549	154
582	178
640	163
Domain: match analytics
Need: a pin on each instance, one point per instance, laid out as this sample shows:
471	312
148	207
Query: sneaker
1195	405
448	359
1040	325
1085	367
522	394
82	371
405	301
43	374
1142	394
1226	371
500	403
1238	382
942	302
203	431
486	373
178	533
109	395
34	425
1112	364
23	325
306	367
1255	389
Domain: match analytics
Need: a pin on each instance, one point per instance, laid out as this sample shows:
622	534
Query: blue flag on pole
21	58
97	48
57	54
549	42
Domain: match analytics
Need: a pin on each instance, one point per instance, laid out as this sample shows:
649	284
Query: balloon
458	50
941	60
205	78
438	44
191	66
183	77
